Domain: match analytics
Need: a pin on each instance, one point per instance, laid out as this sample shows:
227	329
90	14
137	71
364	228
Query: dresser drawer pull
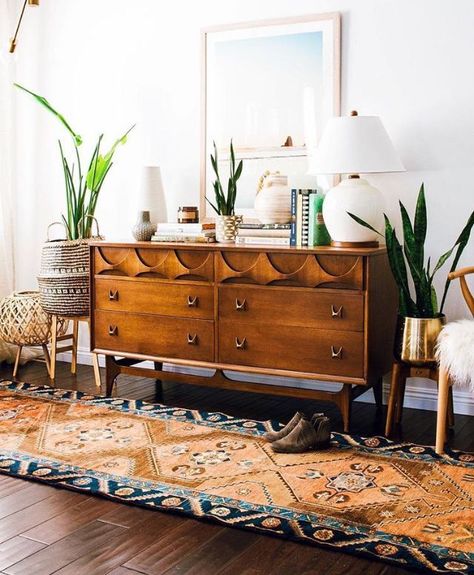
336	354
240	344
113	295
240	305
193	301
192	339
113	330
336	312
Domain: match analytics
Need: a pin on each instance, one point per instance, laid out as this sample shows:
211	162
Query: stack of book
306	218
174	232
266	234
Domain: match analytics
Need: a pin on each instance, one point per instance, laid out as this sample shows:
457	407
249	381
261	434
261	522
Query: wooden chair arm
462	272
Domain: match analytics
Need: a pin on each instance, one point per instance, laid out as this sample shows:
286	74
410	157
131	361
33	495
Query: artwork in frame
271	86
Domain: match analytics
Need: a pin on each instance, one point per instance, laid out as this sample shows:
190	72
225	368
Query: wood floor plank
16	549
21	521
123	571
29	493
126	515
80	543
72	519
100	560
172	546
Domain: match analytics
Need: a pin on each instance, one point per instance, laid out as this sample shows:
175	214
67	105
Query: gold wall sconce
13	40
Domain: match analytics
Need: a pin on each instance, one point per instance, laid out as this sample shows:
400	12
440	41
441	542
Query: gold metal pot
415	339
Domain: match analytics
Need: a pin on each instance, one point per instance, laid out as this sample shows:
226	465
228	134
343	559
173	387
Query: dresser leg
158	383
378	393
345	405
112	370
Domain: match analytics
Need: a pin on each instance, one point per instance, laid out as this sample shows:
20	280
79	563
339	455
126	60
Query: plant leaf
363	223
41	100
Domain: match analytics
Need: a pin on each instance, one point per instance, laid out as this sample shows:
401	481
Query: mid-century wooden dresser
322	313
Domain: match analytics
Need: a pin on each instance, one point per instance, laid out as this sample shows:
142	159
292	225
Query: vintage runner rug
397	502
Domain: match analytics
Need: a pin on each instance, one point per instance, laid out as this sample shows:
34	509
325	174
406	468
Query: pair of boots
301	434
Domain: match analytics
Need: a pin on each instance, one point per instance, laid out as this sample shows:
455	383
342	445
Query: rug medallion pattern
397	502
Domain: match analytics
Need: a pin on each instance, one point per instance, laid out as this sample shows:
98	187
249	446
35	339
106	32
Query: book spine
255	226
264	233
304	217
262	241
312	220
293	219
172	238
299	218
174	228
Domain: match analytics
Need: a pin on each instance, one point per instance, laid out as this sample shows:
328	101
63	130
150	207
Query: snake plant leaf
408	233
420	225
44	102
212	205
434	302
238	171
461	242
363	223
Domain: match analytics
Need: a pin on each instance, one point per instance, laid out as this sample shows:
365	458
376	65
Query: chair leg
393	398
401	395
17	361
95	362
54	345
47	359
75	335
443	392
450	407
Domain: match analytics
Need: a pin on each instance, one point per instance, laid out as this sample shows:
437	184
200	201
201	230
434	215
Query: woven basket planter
64	277
24	322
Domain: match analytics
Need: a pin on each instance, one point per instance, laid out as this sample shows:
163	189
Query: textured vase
273	199
143	229
416	337
226	228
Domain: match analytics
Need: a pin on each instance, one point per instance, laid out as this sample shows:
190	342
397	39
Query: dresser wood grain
307	313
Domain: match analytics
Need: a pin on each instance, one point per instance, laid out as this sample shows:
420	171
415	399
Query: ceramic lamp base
357	196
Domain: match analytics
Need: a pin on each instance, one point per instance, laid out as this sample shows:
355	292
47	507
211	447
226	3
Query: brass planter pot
415	339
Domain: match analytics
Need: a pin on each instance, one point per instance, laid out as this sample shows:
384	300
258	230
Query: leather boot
275	435
302	438
322	426
315	417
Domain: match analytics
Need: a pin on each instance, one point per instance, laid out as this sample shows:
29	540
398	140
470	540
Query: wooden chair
444	382
72	347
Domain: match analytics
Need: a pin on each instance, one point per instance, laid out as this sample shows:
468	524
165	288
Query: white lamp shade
356	145
151	195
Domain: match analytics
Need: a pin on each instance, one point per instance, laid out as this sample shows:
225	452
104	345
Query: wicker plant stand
24	323
72	346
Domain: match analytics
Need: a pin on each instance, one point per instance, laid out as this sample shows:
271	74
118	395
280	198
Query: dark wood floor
44	530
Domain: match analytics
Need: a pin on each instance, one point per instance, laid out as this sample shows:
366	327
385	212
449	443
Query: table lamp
353	145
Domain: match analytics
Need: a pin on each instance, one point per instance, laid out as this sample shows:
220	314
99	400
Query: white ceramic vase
226	228
273	199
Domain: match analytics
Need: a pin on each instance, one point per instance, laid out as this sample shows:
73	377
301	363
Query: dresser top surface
323	250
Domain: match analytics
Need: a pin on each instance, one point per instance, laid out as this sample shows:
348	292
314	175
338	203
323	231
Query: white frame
333	18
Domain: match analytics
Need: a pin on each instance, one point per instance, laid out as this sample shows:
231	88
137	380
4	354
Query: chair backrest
466	292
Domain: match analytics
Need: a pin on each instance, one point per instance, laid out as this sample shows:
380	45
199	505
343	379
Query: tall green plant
411	258
225	202
82	189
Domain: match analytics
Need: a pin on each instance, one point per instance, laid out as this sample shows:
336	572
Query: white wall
112	63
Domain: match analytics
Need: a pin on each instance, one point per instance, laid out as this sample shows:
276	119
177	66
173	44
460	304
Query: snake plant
225	202
407	261
82	189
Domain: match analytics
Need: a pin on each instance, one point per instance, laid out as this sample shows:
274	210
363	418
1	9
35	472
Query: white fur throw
455	350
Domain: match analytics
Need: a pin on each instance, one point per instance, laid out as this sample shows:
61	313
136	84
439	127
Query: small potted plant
224	206
420	317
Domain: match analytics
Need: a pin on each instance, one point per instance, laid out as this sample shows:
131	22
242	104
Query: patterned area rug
396	502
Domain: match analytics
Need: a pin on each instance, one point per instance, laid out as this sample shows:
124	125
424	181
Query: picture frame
298	59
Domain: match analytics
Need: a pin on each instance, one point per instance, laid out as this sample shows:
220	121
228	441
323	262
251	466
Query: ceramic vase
226	228
273	200
143	229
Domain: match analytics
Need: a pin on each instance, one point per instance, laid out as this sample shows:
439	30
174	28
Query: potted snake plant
420	318
224	206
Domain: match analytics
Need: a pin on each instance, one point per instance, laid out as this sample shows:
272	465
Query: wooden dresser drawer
291	348
162	298
324	309
158	336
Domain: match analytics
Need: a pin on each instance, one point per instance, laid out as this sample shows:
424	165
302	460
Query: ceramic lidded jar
273	200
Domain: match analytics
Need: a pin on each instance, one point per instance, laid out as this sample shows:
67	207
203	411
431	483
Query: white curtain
7	135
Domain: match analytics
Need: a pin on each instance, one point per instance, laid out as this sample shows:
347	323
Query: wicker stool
73	336
23	322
